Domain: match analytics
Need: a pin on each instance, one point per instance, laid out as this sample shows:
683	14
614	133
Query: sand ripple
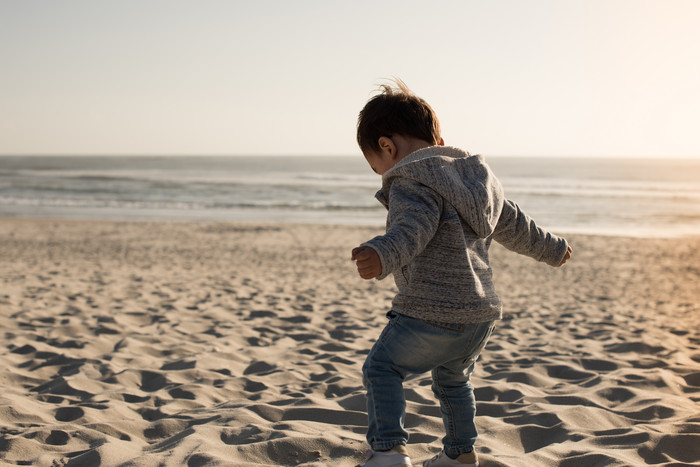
142	344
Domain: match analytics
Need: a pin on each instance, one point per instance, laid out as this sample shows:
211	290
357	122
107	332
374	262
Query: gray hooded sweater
445	207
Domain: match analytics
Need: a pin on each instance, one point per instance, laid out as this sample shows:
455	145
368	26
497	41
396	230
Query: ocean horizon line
488	155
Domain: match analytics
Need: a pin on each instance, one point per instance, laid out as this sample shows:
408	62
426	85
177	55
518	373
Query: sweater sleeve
413	218
519	233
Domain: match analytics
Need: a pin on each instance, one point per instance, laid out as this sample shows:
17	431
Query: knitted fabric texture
445	207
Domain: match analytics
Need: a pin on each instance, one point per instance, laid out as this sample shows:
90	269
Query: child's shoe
443	460
395	457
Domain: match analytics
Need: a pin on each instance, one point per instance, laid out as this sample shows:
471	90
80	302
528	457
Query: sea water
634	197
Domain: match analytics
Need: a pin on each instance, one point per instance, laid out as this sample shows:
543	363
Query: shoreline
241	343
290	218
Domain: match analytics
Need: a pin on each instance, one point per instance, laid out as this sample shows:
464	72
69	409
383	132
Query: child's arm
519	233
414	214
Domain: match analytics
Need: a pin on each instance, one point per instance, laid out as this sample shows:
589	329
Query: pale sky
552	78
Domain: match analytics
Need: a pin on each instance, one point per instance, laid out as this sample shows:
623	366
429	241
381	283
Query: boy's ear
442	142
387	146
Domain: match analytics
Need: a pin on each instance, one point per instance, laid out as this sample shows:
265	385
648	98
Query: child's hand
367	261
566	256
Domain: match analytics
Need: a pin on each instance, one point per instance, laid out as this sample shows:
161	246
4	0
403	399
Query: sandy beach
204	344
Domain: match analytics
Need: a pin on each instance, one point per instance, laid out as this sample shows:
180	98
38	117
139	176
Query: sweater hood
463	180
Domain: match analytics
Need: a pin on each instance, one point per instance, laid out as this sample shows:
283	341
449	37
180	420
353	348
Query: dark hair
396	111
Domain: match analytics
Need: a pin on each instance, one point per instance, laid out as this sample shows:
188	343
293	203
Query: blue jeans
409	345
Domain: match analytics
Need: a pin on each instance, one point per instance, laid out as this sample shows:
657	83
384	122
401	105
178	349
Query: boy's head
396	112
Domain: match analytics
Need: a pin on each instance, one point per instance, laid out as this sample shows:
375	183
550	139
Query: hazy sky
559	77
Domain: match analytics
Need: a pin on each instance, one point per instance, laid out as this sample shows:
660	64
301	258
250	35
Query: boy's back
445	207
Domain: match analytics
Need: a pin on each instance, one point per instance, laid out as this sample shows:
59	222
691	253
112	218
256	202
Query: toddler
445	207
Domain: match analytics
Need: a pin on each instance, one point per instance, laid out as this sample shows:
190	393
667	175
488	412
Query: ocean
622	197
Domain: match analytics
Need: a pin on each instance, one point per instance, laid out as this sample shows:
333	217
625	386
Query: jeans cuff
386	445
455	452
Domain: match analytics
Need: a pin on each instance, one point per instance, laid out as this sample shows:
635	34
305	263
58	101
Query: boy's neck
406	145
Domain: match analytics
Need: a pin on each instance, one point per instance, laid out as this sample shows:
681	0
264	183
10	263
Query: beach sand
148	344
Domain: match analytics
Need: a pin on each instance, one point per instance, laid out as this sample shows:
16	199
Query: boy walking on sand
445	207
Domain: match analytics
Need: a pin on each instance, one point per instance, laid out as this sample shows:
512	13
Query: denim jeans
409	345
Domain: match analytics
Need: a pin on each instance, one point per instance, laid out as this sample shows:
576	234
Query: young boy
445	207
